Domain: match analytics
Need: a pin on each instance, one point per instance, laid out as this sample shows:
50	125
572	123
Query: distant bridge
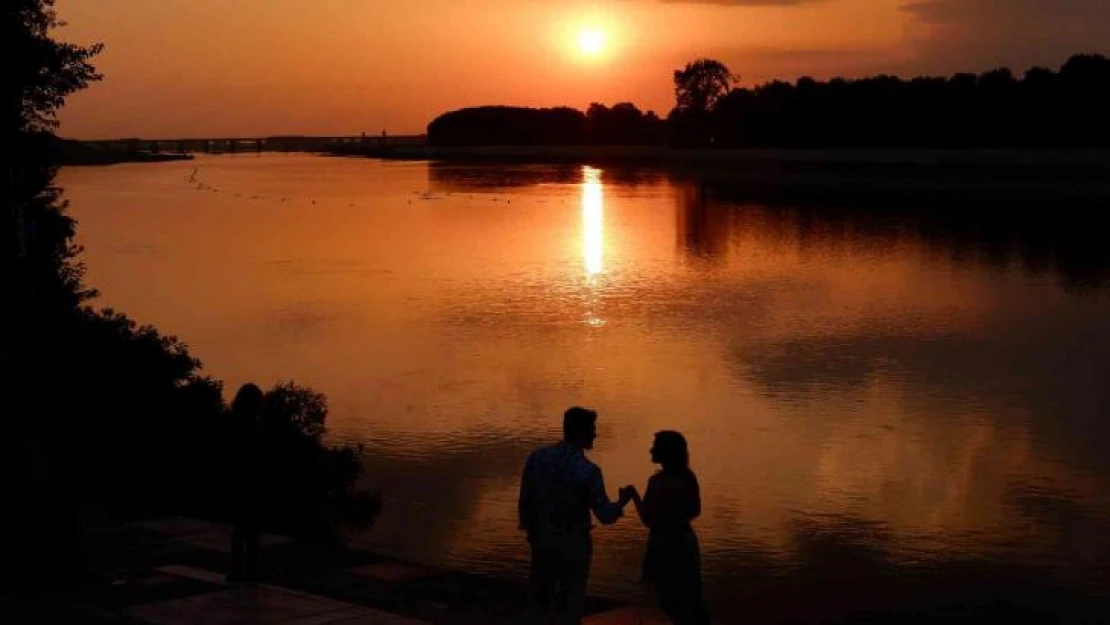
225	145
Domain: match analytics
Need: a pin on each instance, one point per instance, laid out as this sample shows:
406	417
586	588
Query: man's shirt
559	489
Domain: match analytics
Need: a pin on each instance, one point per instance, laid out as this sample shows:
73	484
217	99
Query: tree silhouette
508	125
95	405
41	72
1040	108
623	124
701	84
40	275
995	109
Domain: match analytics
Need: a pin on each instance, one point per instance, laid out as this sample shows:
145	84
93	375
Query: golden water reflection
593	242
593	222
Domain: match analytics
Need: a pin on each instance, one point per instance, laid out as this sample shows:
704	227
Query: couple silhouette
559	490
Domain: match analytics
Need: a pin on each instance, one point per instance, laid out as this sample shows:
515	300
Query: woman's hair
673	454
248	401
672	451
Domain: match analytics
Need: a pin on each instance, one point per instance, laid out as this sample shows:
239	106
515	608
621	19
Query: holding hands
628	493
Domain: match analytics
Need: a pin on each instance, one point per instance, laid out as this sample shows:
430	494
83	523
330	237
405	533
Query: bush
136	424
312	484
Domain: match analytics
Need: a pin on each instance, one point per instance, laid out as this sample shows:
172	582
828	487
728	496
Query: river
887	410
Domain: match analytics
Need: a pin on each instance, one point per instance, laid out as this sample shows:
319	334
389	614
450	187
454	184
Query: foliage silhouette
996	109
46	71
317	496
39	272
97	406
623	124
507	125
700	86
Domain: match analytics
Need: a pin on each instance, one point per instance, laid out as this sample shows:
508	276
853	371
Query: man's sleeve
604	509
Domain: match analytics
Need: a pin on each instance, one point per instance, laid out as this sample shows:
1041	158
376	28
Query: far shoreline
71	153
633	154
124	159
1017	175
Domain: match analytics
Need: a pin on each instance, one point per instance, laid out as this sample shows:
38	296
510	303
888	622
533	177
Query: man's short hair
578	420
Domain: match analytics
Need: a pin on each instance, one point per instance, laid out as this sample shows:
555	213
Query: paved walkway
169	572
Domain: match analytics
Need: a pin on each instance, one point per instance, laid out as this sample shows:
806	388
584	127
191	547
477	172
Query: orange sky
180	68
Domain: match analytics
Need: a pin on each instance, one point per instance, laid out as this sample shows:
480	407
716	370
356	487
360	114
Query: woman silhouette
673	560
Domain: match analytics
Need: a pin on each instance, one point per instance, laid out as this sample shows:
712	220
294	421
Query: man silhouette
558	490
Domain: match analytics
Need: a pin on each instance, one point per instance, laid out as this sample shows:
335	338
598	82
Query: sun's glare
593	222
591	41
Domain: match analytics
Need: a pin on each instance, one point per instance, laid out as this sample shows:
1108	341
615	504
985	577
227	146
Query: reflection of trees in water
451	177
702	227
1059	238
1022	368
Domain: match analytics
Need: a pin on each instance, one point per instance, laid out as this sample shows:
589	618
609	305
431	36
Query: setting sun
591	41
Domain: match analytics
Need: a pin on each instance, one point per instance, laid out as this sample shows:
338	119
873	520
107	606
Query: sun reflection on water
593	240
593	229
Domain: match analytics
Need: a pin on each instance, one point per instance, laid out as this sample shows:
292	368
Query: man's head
580	427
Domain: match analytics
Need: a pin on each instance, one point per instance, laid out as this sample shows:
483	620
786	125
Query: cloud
993	13
978	34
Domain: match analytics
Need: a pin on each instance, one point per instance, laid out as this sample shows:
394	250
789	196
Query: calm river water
887	411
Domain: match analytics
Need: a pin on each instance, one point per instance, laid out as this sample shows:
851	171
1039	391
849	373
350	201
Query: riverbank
904	175
77	153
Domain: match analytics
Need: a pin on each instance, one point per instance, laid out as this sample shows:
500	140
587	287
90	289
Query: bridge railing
256	144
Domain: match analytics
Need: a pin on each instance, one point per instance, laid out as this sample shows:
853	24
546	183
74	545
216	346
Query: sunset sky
190	68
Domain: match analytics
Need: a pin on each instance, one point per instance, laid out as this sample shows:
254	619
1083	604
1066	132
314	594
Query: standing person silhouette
559	489
672	563
247	411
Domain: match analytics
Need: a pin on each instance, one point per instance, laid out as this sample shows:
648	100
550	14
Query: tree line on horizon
622	124
995	109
